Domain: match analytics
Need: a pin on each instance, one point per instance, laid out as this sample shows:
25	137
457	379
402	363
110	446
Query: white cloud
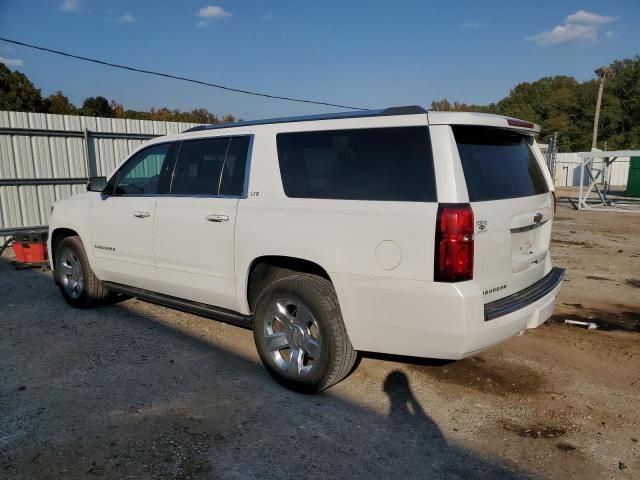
580	27
582	17
474	25
568	33
12	62
213	12
610	34
126	18
70	5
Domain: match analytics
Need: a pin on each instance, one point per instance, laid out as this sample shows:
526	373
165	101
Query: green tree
202	115
59	103
96	107
562	104
445	105
624	84
118	110
17	93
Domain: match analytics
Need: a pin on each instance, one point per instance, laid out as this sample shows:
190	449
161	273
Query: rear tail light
454	243
555	202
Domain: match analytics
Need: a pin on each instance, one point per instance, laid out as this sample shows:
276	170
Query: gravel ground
135	390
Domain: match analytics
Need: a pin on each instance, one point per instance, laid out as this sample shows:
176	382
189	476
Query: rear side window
212	166
498	164
392	164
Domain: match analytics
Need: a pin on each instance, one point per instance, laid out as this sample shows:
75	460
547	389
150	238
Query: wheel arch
266	269
57	235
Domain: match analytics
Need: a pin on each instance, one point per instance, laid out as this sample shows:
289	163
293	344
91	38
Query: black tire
93	293
336	357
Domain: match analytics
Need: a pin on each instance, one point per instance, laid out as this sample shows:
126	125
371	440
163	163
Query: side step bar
202	309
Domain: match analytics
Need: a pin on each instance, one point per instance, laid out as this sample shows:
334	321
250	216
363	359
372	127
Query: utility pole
601	73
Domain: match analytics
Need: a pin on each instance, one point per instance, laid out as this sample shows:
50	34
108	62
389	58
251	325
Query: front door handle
141	214
215	217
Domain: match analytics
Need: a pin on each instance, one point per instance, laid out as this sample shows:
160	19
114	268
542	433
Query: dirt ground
134	390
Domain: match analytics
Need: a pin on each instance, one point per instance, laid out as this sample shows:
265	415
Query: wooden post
602	73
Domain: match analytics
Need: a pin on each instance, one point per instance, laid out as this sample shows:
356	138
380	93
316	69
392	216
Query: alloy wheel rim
292	337
71	271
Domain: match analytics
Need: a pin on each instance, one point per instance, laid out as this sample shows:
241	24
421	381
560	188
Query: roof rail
409	110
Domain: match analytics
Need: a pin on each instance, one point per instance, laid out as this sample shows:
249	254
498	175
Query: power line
176	77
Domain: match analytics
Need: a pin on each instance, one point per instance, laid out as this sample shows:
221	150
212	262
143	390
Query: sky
368	54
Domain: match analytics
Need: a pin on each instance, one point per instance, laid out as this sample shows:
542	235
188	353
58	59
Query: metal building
45	158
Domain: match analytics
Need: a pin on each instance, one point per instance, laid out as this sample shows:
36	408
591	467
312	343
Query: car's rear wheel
300	335
78	284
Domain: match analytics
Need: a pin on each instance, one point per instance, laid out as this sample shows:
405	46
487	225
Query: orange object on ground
30	248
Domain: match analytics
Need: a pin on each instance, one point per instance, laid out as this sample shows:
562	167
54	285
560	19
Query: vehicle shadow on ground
118	392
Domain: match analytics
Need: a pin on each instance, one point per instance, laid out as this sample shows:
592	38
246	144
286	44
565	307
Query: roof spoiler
481	120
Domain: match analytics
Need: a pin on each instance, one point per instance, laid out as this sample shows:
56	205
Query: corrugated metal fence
568	167
45	158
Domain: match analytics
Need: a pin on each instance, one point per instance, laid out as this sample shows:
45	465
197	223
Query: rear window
498	164
392	164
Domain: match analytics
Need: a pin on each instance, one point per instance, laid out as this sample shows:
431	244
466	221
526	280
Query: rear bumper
437	320
523	298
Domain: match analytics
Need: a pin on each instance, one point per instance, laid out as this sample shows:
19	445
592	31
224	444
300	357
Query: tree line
19	94
564	105
558	104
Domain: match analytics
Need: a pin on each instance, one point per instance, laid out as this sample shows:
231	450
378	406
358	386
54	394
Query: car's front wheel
300	335
78	284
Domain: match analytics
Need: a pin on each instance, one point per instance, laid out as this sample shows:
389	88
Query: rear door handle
215	217
141	214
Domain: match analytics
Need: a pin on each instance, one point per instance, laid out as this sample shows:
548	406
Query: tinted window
498	164
232	181
141	174
198	167
369	164
212	166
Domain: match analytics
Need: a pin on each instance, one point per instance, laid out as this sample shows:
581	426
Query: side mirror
97	184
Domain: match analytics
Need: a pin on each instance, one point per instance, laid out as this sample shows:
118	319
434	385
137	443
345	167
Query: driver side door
122	218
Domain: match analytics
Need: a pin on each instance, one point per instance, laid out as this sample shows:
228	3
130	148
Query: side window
212	166
198	166
393	164
141	174
232	181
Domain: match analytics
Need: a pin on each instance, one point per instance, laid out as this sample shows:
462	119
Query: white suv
398	231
